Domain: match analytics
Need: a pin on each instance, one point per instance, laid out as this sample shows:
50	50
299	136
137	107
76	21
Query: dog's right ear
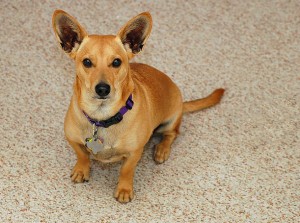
135	33
69	33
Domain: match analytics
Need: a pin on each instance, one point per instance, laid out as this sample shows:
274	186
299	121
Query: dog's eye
87	63
116	63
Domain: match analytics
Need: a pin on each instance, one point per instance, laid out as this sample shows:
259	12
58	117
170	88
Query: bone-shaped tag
94	144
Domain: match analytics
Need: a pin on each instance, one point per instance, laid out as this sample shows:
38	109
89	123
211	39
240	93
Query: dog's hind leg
170	132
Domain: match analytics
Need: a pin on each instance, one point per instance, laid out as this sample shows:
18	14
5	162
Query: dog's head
102	61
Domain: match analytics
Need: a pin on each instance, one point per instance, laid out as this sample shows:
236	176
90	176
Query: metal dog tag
94	144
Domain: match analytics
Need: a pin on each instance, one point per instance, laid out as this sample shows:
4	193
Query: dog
116	105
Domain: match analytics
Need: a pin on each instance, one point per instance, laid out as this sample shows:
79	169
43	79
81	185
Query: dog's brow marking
108	50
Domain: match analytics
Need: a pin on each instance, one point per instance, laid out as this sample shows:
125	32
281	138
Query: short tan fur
104	59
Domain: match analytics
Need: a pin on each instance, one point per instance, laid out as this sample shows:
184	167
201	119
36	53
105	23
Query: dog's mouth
101	97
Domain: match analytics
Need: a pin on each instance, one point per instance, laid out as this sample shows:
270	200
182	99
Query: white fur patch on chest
109	151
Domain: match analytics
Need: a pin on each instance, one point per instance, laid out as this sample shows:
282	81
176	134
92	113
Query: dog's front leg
124	191
81	171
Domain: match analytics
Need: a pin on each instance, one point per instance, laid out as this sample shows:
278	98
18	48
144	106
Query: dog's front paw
161	153
124	194
80	172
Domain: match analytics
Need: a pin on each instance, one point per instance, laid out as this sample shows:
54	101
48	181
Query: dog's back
160	92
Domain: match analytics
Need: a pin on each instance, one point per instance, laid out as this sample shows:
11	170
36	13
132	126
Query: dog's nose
102	89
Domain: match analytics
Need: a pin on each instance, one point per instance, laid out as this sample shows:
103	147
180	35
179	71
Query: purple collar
114	119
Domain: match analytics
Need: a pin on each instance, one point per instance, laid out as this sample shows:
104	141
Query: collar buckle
114	119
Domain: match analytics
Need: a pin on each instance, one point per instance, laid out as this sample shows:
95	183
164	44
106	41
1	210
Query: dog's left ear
135	33
69	33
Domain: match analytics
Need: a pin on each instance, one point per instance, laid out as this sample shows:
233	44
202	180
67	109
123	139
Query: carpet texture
236	162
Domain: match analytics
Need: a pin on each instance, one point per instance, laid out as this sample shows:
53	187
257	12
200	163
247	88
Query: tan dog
102	120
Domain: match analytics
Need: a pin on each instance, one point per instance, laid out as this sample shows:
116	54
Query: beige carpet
236	162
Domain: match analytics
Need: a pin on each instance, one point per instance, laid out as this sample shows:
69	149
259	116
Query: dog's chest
103	145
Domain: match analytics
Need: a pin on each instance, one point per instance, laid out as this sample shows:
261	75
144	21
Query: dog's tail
199	104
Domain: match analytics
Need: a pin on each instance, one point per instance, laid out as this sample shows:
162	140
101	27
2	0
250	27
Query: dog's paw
80	173
124	194
161	153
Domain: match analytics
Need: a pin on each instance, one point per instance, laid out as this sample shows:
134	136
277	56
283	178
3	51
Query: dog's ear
68	31
135	33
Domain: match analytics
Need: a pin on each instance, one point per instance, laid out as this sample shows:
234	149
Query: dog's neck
118	117
107	108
